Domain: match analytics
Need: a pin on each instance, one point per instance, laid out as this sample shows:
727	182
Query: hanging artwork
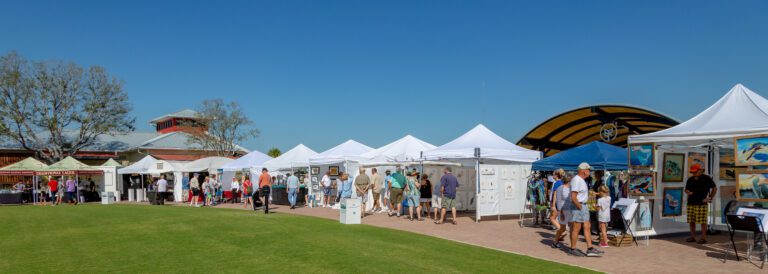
334	170
641	156
641	184
645	214
315	170
673	202
727	194
751	150
752	186
699	158
728	168
509	189
673	167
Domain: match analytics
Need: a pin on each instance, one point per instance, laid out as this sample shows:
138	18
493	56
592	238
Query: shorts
579	215
413	200
327	191
697	214
52	194
195	192
448	203
424	200
437	201
363	197
396	196
376	198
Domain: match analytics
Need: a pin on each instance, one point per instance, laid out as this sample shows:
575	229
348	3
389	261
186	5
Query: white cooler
107	198
349	212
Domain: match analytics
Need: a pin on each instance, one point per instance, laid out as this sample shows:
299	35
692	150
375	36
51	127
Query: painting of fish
641	156
641	184
673	167
752	186
751	150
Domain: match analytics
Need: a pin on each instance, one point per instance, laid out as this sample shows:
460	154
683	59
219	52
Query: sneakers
556	245
576	253
604	245
594	252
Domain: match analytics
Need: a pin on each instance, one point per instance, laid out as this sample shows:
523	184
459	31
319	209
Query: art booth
250	164
493	171
344	157
729	139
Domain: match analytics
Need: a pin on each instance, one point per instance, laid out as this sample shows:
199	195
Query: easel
628	229
748	224
630	204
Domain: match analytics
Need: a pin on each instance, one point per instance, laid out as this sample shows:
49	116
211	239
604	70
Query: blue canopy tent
599	155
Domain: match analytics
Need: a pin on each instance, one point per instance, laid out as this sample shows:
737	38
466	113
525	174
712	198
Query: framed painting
641	156
673	202
315	170
699	158
726	164
752	186
334	170
673	168
751	150
641	184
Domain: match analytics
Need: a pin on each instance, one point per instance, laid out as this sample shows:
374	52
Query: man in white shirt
235	189
580	213
326	189
162	187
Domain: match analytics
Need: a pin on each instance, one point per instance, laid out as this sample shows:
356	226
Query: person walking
71	191
554	212
326	181
292	184
309	198
413	195
162	187
247	192
397	181
700	190
265	187
53	189
580	213
376	183
448	185
235	190
194	184
385	192
216	186
362	184
426	194
562	203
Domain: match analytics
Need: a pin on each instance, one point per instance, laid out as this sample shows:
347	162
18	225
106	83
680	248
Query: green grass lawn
132	238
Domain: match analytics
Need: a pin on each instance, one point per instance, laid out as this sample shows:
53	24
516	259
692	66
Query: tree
274	152
55	109
220	126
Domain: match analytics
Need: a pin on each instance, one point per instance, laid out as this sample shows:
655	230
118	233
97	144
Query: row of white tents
478	146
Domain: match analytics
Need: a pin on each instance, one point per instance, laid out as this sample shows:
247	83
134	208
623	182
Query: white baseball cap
584	166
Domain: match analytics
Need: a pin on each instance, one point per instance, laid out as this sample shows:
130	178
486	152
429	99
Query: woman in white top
561	201
326	189
235	190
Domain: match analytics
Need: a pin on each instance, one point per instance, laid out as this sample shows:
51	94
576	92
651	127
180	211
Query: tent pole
477	184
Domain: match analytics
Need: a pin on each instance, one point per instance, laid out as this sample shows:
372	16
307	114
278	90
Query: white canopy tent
406	149
207	164
348	151
500	171
296	157
739	112
140	167
491	146
253	159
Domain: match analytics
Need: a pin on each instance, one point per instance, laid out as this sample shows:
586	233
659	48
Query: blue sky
322	72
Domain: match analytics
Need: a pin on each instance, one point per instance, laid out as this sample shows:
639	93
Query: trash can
349	212
107	198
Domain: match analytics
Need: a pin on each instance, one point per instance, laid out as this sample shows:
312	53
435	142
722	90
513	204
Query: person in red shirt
247	192
53	186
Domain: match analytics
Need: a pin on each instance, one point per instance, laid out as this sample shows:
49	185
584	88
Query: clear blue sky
322	72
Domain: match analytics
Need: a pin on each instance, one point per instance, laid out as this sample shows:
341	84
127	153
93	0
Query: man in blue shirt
448	185
293	188
185	187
